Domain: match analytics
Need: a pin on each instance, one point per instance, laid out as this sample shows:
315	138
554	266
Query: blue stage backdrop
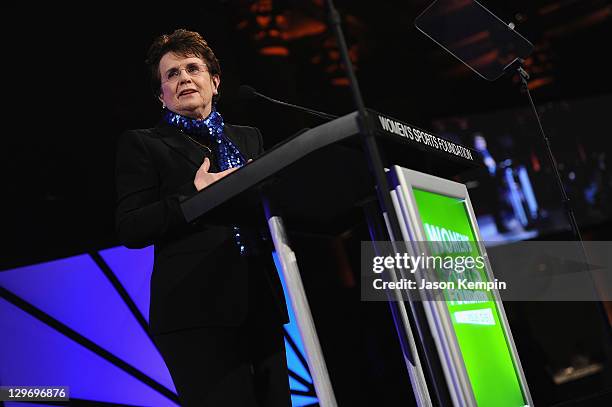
81	322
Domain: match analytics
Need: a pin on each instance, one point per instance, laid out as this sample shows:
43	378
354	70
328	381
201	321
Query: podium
318	181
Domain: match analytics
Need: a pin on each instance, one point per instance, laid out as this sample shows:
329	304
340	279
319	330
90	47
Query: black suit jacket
199	278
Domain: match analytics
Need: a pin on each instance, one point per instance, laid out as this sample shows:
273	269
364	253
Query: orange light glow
482	35
274	51
537	83
340	82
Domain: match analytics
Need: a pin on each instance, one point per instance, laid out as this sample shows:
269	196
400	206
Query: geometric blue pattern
77	294
301	401
295	385
133	269
294	363
34	354
292	329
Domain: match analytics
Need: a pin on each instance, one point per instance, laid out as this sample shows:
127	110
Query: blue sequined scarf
210	130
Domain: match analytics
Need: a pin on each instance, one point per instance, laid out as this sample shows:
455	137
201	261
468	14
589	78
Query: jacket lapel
179	142
231	133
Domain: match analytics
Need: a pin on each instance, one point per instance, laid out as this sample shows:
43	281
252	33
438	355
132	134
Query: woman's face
187	87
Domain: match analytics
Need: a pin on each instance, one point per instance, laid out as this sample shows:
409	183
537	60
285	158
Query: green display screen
481	337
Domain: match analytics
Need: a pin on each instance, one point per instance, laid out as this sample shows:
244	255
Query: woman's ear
216	82
161	99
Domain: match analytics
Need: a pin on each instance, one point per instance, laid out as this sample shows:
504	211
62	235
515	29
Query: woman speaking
217	307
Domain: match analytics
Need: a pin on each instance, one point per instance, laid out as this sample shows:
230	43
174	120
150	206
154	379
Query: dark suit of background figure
216	316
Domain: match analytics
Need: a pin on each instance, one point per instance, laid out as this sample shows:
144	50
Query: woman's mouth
187	92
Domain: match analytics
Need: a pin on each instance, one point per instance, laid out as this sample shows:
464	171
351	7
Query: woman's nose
184	76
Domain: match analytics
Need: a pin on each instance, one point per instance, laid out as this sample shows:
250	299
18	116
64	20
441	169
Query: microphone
247	93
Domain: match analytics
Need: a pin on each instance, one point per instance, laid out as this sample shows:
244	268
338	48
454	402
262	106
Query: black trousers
241	366
228	366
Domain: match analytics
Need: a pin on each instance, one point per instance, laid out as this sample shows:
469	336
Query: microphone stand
291	105
425	346
517	65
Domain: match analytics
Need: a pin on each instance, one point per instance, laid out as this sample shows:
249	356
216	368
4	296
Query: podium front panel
469	326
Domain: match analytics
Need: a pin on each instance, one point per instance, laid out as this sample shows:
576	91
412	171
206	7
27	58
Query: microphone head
246	92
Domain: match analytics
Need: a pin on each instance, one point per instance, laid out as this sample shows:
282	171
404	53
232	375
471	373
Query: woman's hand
203	178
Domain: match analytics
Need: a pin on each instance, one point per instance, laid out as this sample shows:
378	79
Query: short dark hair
186	44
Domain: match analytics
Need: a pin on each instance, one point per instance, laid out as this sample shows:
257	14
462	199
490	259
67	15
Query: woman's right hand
203	178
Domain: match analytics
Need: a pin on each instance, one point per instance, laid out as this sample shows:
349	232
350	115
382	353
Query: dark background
75	79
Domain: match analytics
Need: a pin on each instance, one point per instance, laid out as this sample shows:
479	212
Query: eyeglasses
192	70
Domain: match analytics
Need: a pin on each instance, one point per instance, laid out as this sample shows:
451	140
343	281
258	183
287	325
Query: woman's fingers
205	165
204	178
219	175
